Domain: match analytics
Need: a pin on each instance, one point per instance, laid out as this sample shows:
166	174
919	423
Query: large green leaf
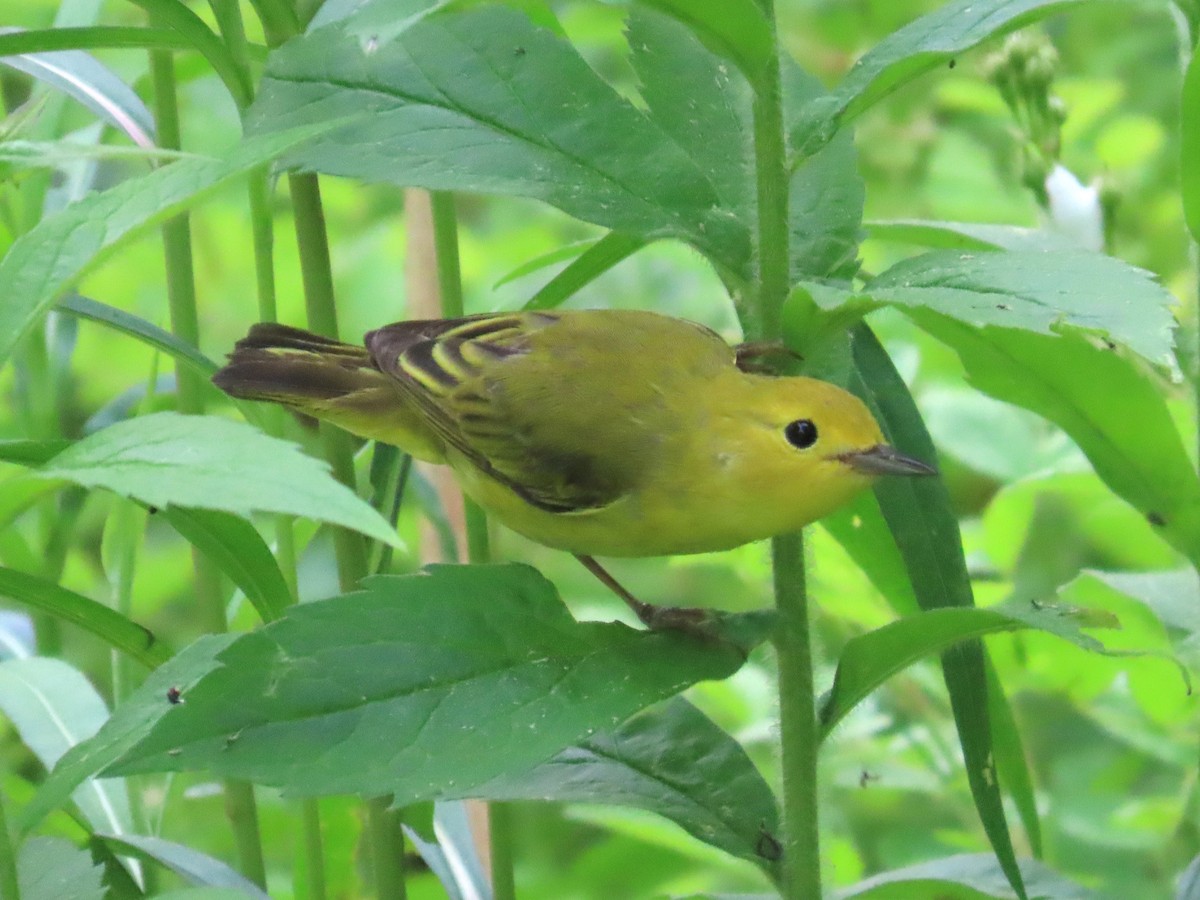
419	686
919	515
1110	406
1030	290
45	261
733	29
166	459
914	49
672	760
481	100
53	708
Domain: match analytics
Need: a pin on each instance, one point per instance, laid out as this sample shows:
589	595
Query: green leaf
913	50
48	259
968	876
587	267
192	865
1110	407
482	100
735	30
1189	150
85	79
870	659
52	868
47	154
418	686
918	512
166	459
1028	290
669	759
967	235
95	618
31	452
861	530
237	549
131	721
53	708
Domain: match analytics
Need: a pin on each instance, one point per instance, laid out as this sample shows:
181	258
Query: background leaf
52	868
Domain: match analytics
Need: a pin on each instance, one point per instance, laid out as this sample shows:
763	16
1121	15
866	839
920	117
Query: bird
602	432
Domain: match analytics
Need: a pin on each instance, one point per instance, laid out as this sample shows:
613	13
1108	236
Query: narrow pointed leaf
166	459
95	618
967	876
919	515
586	268
196	867
420	686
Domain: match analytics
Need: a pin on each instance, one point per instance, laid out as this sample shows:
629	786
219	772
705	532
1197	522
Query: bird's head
806	447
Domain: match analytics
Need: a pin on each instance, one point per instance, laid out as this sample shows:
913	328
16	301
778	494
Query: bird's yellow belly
630	526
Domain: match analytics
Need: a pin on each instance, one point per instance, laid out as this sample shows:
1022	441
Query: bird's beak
884	460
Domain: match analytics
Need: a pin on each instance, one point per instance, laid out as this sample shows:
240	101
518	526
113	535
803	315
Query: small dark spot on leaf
768	846
1155	519
952	64
1111	345
519	51
152	510
1003	306
1037	604
866	778
173	695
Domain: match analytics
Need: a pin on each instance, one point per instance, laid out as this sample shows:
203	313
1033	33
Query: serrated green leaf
1033	291
482	100
671	760
1110	407
867	661
914	49
53	708
45	261
419	686
167	459
131	720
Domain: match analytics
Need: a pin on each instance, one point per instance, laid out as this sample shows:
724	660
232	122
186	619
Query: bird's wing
542	401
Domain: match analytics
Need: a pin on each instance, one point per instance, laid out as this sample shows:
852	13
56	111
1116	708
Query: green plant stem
9	888
387	849
240	805
798	732
314	849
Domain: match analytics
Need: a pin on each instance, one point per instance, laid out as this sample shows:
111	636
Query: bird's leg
749	356
654	617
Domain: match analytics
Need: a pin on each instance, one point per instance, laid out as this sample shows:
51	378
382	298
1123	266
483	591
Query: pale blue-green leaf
192	865
966	235
52	868
45	261
124	728
53	708
453	858
50	154
166	459
84	78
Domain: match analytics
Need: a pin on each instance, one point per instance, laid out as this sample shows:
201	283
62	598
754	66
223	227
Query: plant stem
798	733
387	849
9	887
181	294
314	849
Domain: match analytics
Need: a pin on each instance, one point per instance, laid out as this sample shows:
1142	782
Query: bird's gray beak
884	460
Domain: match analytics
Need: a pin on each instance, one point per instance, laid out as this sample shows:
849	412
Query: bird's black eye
801	434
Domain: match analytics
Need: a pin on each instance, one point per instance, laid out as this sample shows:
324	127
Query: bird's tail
324	379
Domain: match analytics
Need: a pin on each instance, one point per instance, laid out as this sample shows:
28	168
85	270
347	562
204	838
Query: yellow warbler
606	432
